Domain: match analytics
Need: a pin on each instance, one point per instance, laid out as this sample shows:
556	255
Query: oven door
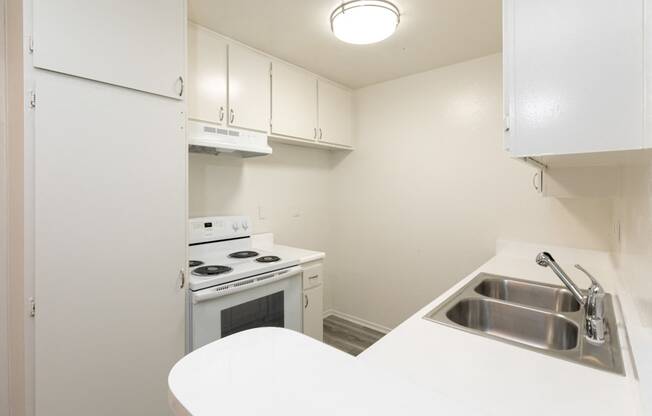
271	299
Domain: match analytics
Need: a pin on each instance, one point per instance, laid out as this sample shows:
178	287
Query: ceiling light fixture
364	21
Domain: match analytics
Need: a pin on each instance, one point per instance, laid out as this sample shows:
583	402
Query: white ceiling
432	33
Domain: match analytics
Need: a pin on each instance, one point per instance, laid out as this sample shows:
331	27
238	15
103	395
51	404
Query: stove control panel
206	229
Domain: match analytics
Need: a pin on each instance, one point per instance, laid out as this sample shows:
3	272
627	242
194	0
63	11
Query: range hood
209	138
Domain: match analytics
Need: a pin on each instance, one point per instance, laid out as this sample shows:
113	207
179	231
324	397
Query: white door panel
109	243
294	102
135	44
313	312
206	76
334	114
249	89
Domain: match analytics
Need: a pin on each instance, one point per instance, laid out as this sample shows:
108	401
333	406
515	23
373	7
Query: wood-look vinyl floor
348	336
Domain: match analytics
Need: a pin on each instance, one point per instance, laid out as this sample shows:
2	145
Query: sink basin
521	324
543	296
535	316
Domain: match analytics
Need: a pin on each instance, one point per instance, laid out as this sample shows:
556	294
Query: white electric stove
234	287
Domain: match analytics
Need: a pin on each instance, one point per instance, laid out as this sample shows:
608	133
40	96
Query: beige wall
422	200
418	204
291	187
633	211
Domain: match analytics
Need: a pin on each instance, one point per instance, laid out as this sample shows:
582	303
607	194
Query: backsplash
286	193
633	249
634	212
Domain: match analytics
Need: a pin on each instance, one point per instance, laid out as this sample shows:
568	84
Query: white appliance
234	287
209	138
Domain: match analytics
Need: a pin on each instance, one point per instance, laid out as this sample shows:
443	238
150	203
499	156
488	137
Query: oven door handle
240	285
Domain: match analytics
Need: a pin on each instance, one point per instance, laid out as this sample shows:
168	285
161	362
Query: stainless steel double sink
536	316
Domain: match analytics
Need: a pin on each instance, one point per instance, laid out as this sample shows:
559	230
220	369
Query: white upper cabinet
294	102
233	85
228	84
118	42
206	75
573	76
249	89
334	114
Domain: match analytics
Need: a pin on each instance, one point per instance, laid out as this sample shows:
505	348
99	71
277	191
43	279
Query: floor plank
348	336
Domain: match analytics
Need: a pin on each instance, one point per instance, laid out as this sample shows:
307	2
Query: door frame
4	214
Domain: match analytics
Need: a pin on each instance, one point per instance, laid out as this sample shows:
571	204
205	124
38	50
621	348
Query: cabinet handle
221	113
321	133
306	298
232	116
315	133
313	277
182	274
536	181
181	82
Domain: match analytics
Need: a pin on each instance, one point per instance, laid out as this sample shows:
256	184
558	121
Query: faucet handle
595	325
594	283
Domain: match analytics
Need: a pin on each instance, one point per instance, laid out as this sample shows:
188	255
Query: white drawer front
313	276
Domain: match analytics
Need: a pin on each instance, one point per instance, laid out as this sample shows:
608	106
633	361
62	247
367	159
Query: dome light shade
362	22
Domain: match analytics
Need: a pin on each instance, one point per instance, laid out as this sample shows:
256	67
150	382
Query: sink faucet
593	302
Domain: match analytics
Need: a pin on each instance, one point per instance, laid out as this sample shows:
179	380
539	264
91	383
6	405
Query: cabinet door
139	45
249	89
206	76
313	312
110	240
294	102
334	114
574	76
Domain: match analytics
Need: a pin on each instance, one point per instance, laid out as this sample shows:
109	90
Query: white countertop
266	242
276	371
420	367
507	379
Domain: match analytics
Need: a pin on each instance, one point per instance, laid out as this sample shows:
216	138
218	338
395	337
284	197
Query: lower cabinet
313	313
313	300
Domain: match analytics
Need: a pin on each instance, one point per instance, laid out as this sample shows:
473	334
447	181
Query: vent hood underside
212	139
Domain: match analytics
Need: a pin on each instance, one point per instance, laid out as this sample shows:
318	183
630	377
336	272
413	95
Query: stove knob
235	226
245	226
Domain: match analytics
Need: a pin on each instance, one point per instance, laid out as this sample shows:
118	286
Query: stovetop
221	252
220	264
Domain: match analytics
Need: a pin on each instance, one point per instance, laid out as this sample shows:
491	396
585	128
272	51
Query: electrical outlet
262	214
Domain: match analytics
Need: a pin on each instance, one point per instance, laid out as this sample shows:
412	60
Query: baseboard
356	320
